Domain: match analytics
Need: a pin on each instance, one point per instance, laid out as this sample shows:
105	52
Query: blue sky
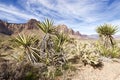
80	15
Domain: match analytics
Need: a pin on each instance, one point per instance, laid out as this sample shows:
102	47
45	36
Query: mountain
15	28
96	36
63	28
93	36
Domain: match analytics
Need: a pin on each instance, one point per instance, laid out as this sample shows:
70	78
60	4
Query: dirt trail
110	71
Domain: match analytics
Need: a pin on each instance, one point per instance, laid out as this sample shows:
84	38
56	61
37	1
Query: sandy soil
109	71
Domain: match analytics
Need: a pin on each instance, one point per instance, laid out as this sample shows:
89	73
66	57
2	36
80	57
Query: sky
80	15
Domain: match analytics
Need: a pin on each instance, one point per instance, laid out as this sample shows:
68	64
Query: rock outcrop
4	29
63	28
14	28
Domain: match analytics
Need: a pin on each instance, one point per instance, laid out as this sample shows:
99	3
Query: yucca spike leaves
46	26
107	29
24	40
105	32
59	40
62	38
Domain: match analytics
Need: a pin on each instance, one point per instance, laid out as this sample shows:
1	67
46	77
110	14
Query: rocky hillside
14	28
66	30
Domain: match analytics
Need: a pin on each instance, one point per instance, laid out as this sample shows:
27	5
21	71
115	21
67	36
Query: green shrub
86	52
113	52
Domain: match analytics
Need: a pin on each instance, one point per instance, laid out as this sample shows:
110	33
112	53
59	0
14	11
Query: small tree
105	33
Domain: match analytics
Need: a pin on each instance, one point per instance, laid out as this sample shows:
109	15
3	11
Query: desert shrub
90	55
87	53
5	46
11	70
113	52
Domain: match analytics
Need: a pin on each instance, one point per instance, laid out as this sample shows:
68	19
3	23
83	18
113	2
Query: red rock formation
4	29
66	30
13	28
77	33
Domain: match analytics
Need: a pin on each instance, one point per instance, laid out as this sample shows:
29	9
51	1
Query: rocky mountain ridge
66	30
15	28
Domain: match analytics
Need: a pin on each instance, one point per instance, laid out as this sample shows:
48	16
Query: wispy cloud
81	15
12	13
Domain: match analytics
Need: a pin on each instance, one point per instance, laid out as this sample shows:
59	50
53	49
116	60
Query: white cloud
82	15
79	9
11	10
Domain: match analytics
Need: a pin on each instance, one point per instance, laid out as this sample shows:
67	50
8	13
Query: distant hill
15	28
96	36
93	36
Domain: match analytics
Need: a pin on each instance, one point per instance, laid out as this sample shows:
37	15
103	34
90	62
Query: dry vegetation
55	56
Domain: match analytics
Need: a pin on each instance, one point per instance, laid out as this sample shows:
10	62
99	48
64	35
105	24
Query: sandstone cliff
66	30
14	28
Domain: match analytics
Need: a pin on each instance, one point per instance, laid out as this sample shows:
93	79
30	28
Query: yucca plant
105	32
47	26
60	40
26	42
51	49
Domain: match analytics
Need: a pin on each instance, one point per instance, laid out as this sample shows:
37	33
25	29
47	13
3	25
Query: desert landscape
59	40
40	50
